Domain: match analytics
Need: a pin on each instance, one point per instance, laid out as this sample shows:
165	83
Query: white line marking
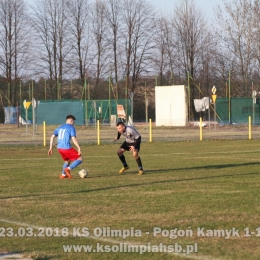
143	155
12	256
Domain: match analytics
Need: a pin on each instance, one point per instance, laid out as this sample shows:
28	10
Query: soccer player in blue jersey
132	143
71	157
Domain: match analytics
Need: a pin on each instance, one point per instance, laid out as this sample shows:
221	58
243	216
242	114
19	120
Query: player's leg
120	153
138	159
65	165
75	163
72	154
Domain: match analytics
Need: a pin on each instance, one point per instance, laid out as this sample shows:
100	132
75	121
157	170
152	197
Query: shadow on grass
44	258
219	166
153	182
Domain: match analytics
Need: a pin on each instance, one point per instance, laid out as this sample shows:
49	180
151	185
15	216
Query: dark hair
120	123
70	117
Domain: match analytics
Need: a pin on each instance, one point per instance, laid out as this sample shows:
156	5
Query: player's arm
75	141
51	144
118	137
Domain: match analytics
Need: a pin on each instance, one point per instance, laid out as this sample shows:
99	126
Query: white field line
145	155
44	158
112	241
12	256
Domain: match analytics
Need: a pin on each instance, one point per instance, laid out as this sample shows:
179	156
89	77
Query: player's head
70	119
120	127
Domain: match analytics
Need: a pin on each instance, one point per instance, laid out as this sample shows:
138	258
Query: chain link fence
12	134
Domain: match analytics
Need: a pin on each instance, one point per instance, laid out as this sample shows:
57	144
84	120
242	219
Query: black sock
122	159
139	163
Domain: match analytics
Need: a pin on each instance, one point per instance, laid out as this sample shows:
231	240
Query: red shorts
69	154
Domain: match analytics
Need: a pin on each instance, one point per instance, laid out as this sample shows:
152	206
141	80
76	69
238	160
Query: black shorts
126	146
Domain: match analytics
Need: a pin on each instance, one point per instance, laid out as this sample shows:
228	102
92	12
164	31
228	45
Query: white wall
171	106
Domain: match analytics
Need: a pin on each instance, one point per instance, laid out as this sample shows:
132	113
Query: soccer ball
83	173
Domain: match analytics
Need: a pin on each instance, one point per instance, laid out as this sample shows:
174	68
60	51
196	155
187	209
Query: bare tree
239	44
192	39
99	30
138	32
54	41
191	33
112	14
14	43
164	51
77	13
256	37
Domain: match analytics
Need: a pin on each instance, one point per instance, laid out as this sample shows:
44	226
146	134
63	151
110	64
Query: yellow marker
250	128
200	129
98	134
150	123
44	134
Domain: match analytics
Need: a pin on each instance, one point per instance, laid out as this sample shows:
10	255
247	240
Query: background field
188	185
11	134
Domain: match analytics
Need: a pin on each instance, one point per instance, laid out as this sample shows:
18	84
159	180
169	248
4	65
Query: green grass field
196	196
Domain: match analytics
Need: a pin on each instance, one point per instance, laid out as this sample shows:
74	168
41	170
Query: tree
138	31
239	42
99	30
164	51
77	13
191	41
51	26
14	43
112	14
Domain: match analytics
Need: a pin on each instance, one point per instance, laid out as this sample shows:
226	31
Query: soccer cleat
123	169
63	176
67	171
141	172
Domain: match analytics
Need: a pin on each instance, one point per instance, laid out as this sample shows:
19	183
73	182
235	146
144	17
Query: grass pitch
197	197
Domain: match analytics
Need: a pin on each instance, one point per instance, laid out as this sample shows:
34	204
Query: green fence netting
238	110
86	112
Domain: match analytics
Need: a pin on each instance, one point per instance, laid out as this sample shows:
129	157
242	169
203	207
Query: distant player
132	143
71	157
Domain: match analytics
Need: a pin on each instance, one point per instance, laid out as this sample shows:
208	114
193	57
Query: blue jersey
64	133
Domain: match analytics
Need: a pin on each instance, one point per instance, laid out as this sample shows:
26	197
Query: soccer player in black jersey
132	143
